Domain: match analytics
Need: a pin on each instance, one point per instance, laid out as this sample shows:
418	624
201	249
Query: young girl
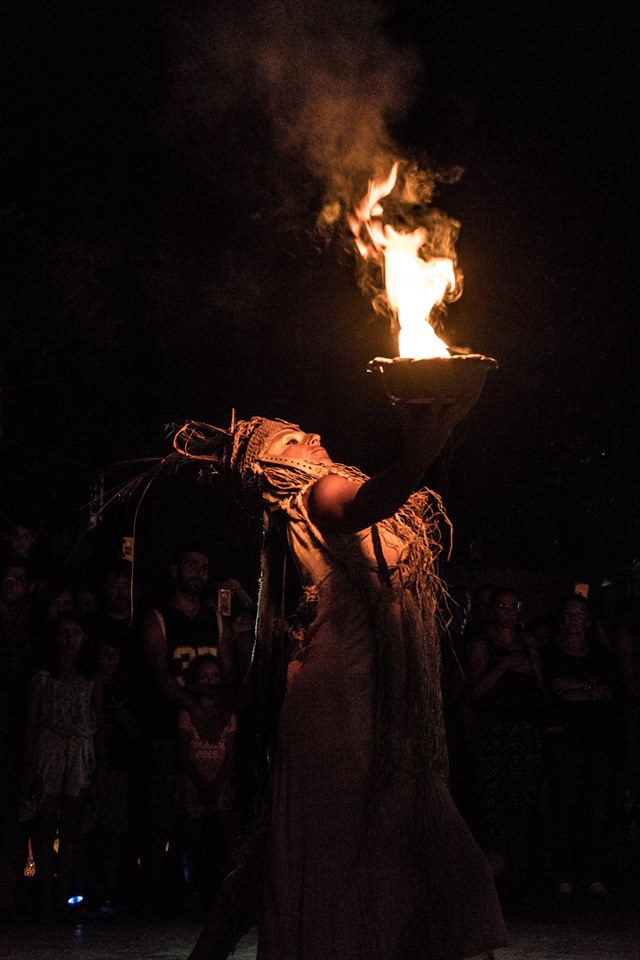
206	784
60	757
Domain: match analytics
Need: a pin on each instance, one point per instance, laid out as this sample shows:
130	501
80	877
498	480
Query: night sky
163	171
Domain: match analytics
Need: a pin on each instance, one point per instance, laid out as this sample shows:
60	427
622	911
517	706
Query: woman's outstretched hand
339	505
429	425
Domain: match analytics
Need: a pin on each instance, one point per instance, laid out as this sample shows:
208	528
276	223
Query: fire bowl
436	380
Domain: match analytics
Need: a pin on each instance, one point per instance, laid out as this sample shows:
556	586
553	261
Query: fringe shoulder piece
406	618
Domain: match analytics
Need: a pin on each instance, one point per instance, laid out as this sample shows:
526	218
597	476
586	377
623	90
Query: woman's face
297	445
506	608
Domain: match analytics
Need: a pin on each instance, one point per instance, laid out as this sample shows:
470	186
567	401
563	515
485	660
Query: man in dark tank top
174	633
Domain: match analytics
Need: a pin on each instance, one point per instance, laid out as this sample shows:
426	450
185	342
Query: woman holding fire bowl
367	857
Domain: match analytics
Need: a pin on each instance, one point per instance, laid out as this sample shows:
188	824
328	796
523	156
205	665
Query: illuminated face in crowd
191	572
291	444
507	607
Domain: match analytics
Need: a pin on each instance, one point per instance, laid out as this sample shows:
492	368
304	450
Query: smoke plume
326	76
328	83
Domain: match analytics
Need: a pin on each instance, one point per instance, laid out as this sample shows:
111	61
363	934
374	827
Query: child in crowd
59	760
206	784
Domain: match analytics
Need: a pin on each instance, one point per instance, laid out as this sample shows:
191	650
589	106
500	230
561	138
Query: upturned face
293	444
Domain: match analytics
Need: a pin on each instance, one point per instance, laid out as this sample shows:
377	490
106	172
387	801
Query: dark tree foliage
161	263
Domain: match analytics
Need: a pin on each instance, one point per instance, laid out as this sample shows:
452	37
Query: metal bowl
436	380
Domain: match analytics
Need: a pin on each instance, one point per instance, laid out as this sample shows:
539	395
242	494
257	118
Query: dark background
161	261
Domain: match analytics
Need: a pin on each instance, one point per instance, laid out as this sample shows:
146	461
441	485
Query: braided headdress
242	450
250	438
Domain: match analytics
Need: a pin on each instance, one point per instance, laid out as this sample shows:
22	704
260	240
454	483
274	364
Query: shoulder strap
161	623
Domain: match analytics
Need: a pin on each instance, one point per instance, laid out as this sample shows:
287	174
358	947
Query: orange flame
413	285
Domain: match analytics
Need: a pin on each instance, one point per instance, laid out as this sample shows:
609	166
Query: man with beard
174	633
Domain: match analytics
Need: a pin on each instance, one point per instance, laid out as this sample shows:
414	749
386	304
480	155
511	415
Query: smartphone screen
224	601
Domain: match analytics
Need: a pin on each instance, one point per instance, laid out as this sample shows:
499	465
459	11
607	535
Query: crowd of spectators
126	743
119	734
542	724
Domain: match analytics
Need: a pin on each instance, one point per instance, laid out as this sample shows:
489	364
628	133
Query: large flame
413	285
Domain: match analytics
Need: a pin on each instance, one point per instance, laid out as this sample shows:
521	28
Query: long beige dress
350	877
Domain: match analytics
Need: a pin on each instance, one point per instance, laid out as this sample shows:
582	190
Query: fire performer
368	858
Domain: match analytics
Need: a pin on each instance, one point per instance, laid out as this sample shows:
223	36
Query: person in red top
174	634
206	781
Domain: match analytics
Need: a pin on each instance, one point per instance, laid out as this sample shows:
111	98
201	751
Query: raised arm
337	504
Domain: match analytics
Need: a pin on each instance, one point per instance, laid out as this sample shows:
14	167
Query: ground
546	931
